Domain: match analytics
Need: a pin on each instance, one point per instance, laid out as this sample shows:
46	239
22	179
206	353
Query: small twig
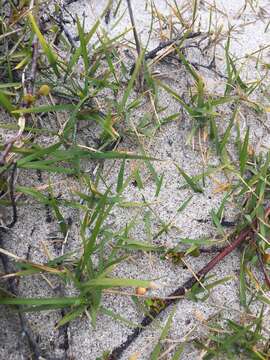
108	12
152	53
68	2
138	45
212	249
210	68
154	312
135	34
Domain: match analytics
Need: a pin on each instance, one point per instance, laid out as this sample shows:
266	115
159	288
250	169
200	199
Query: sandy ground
169	145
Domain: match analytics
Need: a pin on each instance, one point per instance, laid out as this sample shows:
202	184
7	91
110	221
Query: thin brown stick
135	34
154	312
152	53
138	45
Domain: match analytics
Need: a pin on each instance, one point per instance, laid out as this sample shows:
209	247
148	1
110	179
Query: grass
234	340
83	82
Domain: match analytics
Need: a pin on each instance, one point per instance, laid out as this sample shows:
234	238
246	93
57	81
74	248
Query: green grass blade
73	117
63	301
185	204
159	185
115	282
75	57
44	109
194	186
244	153
120	179
39	153
71	315
178	353
227	133
5	103
177	97
132	81
51	56
90	242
